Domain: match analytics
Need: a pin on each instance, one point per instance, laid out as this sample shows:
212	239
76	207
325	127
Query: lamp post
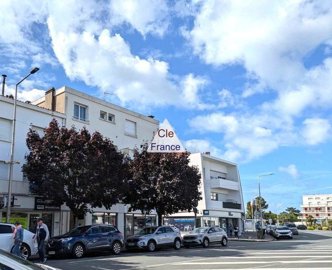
12	146
259	195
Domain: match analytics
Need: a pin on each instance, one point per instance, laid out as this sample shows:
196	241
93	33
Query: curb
250	240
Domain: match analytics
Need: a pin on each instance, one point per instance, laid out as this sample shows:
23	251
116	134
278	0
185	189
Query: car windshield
78	231
200	230
291	225
283	228
147	230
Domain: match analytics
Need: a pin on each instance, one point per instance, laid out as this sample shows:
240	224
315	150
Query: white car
204	236
282	232
29	246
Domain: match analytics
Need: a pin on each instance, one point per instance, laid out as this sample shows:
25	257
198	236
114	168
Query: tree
310	220
254	206
162	181
270	215
74	167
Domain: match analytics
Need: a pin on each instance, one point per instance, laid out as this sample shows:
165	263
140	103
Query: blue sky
248	81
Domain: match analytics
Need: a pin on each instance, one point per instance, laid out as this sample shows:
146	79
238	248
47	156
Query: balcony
224	184
231	205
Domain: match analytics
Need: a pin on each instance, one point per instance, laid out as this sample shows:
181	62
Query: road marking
251	262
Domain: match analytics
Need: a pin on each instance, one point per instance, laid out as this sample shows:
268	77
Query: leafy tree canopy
75	168
162	181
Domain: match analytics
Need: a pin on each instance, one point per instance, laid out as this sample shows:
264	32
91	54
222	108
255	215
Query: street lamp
12	146
259	194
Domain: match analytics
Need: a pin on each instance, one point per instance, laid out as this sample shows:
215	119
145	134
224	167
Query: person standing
43	235
18	239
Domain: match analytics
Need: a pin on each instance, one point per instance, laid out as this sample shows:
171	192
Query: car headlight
66	239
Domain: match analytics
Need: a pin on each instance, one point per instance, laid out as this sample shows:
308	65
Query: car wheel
152	246
177	244
25	251
78	250
224	241
205	242
116	247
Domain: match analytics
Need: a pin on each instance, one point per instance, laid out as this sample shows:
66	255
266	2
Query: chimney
3	84
50	99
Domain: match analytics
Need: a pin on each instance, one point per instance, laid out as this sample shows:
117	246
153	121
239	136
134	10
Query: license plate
131	244
51	252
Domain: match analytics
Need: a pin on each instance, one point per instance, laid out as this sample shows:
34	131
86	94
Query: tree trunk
160	218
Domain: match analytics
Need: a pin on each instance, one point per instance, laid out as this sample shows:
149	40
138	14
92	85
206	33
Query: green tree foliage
253	206
75	168
291	214
162	181
270	215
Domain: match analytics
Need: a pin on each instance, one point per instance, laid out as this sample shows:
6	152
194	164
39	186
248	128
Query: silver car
282	232
151	238
204	236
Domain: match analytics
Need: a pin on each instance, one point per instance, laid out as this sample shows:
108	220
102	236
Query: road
309	250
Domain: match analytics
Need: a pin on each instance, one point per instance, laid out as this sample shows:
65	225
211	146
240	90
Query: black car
85	239
293	228
301	227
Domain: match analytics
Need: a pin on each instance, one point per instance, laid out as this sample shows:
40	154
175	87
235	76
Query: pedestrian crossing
313	258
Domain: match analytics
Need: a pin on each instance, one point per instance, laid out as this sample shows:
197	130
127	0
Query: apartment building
319	206
25	207
127	130
222	199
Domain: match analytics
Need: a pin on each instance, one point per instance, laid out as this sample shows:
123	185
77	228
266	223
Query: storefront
105	218
135	222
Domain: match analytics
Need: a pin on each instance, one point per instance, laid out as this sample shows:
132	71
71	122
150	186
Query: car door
106	235
161	236
213	235
93	238
6	237
218	234
170	236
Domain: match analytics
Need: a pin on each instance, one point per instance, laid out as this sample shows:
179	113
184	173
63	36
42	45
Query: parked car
9	261
154	237
301	227
270	228
282	232
85	239
204	236
29	246
293	228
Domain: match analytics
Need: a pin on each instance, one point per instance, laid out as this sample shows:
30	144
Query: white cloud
291	170
316	130
145	16
202	146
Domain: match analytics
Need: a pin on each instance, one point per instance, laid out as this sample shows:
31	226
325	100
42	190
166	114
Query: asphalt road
309	250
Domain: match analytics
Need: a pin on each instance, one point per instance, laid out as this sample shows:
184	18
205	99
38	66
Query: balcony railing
224	184
231	205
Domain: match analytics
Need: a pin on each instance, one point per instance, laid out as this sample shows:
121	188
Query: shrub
311	228
325	228
318	227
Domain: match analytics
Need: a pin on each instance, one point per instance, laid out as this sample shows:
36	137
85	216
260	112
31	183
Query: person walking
18	239
43	235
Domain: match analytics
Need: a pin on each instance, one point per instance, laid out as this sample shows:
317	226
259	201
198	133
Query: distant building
319	206
222	199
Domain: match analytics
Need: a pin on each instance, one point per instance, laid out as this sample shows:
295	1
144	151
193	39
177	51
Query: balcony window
80	112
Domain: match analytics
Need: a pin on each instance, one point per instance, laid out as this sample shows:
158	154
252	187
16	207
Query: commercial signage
45	204
206	212
165	140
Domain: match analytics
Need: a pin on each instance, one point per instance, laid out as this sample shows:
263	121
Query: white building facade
222	199
318	206
26	207
127	130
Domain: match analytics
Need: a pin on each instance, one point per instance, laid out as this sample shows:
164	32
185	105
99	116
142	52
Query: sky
249	81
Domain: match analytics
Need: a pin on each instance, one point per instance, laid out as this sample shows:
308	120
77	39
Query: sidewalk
251	236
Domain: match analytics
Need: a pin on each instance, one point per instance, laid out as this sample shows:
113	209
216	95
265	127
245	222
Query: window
169	230
111	117
214	196
94	230
6	229
5	130
80	112
103	115
130	128
161	230
107	229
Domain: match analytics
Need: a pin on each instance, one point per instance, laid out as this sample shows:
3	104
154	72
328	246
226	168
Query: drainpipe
3	84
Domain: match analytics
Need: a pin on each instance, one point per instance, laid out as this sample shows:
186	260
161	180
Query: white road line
252	262
276	257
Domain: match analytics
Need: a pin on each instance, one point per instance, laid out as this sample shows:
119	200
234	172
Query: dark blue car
85	239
